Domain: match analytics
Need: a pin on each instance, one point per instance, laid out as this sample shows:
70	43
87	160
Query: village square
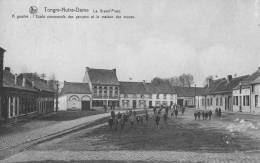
140	81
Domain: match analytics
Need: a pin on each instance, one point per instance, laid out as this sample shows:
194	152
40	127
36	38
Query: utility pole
195	97
2	51
57	95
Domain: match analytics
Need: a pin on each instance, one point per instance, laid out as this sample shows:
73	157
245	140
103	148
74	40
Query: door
180	102
150	104
85	105
134	104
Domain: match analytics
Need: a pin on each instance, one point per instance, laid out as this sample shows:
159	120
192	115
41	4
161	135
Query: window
211	100
172	96
221	101
216	101
157	96
164	96
256	101
100	91
116	91
235	100
110	91
246	100
253	89
105	91
95	90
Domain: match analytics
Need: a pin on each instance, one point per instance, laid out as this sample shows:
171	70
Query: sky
166	38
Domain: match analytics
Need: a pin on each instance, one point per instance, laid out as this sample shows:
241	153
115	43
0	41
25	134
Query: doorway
85	105
134	104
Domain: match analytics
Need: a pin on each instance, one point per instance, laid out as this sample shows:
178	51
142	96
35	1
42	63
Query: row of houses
239	94
24	94
101	87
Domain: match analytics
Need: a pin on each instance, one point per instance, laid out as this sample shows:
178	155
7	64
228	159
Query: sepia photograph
130	81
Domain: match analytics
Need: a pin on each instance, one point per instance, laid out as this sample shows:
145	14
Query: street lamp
57	95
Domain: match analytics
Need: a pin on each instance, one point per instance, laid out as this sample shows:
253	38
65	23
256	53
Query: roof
9	81
223	86
39	83
254	78
132	88
159	88
75	88
189	91
103	76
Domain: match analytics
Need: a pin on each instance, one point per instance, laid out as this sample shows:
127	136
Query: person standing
219	112
210	114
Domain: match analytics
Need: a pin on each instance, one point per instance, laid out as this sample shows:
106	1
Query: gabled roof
224	86
9	81
39	83
189	91
132	88
75	88
102	76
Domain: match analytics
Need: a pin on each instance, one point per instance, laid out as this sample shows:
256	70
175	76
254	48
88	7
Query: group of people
120	120
174	113
112	107
206	115
130	118
218	112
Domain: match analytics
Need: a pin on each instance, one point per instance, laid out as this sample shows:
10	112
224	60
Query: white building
246	95
75	96
146	95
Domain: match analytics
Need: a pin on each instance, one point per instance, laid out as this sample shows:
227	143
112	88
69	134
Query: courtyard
230	138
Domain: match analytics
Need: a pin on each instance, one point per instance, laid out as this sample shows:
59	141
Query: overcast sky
167	38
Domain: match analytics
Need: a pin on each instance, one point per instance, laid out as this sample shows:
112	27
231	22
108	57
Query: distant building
133	95
246	95
161	94
146	95
218	93
104	87
45	92
20	95
75	96
186	95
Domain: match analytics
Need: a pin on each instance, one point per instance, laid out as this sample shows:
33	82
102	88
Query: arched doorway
85	103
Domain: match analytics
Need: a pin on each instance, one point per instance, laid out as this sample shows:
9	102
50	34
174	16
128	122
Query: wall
244	92
72	101
147	98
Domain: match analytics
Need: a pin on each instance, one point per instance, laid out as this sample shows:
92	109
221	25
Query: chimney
114	70
8	69
15	79
229	78
24	81
209	82
1	67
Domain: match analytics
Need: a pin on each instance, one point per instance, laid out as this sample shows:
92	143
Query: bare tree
186	80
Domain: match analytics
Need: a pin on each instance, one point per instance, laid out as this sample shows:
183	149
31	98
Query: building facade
21	96
104	87
75	96
246	95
